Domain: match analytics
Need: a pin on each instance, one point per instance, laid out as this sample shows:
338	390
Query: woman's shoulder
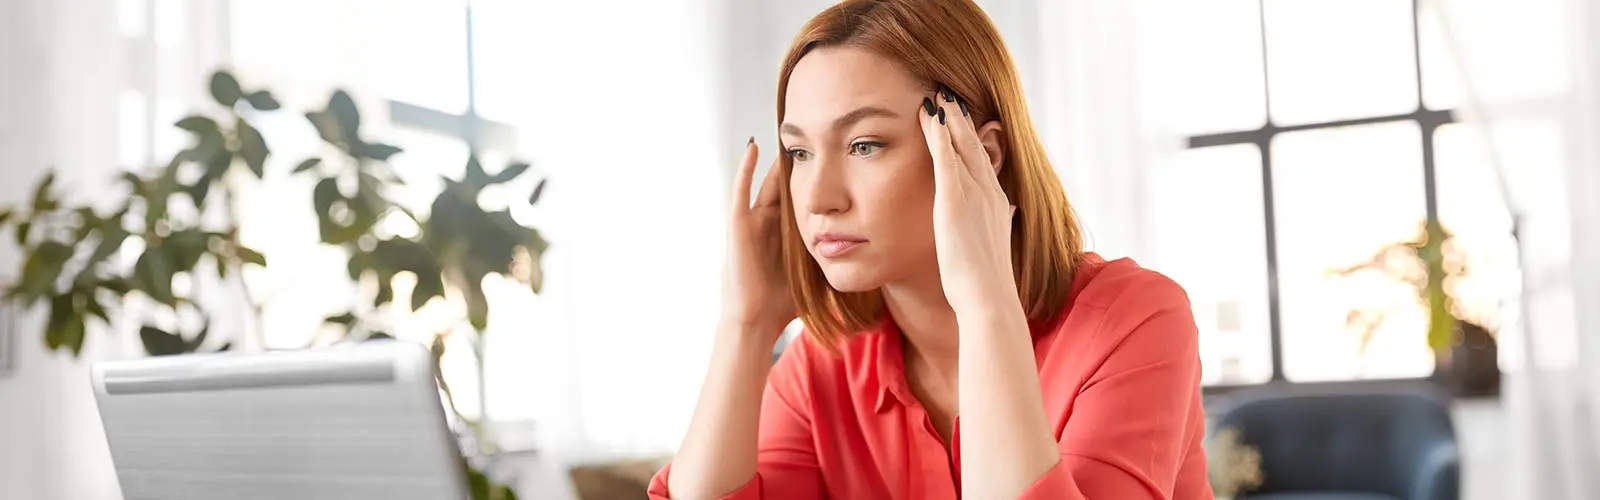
1113	300
1125	286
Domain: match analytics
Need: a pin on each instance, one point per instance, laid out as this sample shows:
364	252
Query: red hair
954	43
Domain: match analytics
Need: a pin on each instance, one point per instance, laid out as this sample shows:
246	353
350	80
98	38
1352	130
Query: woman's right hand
755	291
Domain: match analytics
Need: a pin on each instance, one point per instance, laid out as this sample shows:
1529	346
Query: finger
947	171
747	172
770	187
964	136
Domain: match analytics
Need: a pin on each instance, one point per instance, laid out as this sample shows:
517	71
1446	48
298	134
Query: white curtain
87	87
1530	79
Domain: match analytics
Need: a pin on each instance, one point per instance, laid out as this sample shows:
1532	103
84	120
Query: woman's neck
926	320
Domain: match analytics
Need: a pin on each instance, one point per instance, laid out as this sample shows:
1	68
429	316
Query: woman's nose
825	189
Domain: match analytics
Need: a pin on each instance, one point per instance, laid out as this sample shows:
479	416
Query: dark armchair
1372	446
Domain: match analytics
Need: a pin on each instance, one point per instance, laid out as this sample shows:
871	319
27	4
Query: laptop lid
353	421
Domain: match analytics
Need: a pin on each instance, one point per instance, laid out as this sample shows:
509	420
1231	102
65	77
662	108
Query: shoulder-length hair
954	43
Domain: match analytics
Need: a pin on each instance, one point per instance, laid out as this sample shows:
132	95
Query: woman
959	342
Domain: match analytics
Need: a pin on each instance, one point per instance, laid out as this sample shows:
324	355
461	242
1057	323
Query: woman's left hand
971	215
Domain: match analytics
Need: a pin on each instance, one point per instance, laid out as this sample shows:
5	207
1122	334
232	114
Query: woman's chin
845	279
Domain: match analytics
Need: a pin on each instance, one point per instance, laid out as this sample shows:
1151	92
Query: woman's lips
831	245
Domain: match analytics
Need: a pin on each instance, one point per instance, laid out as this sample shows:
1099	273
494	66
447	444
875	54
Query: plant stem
484	443
259	332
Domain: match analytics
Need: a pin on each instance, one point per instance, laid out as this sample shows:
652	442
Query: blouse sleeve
786	459
1131	424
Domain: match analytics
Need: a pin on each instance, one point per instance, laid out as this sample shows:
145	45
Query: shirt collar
891	360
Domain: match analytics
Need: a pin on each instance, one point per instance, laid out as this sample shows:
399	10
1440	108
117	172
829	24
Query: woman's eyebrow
845	120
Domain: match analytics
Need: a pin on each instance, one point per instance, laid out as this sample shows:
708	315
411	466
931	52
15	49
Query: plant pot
1472	366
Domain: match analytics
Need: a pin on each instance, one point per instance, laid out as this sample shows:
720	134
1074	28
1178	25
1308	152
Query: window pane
505	75
1340	196
1337	59
421	52
424	158
1214	48
133	130
1213	195
1441	70
1511	49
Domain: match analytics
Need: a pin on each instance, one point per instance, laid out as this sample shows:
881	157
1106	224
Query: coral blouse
1120	371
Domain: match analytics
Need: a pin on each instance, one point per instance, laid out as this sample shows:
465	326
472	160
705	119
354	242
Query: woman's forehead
833	81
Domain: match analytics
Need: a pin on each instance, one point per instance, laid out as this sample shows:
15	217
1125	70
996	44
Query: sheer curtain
87	88
1529	82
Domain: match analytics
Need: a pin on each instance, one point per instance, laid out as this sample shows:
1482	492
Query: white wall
53	444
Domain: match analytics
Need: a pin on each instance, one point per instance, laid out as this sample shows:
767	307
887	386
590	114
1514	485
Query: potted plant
180	220
1431	264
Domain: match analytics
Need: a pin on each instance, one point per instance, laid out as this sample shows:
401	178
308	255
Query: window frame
1428	121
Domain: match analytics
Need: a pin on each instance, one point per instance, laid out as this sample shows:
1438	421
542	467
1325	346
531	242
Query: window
432	74
1314	132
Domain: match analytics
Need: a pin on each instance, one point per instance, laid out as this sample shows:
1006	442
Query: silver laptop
356	421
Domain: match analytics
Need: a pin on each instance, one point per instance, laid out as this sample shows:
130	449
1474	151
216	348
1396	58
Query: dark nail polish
946	93
927	105
963	107
941	116
749	142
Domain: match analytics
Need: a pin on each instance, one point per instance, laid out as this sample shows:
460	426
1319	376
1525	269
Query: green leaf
262	101
152	274
117	286
252	256
158	342
385	291
61	314
112	236
427	288
536	246
510	173
536	243
225	347
41	270
217	164
65	328
199	125
253	148
477	305
475	176
307	165
343	107
334	232
359	263
538	191
5	216
327	127
22	232
184	248
480	484
380	152
43	201
377	336
345	319
193	345
93	307
225	89
199	190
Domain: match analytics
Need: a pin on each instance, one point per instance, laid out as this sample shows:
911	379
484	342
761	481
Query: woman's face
862	179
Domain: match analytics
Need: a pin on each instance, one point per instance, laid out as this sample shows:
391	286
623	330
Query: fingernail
941	116
749	142
963	103
927	105
946	93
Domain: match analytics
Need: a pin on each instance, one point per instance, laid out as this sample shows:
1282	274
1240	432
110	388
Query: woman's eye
865	148
800	155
